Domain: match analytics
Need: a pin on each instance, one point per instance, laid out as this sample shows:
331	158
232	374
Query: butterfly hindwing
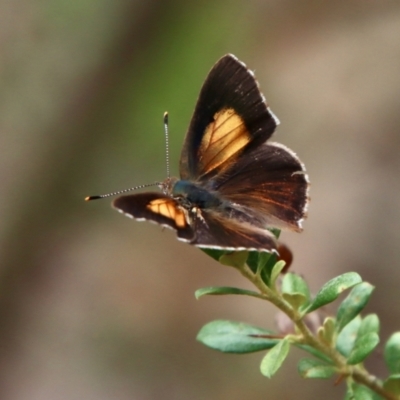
268	182
212	230
230	114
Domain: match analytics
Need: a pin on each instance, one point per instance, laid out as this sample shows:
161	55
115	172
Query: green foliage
339	344
370	323
392	384
347	337
235	259
353	304
332	289
295	290
235	337
274	359
262	264
327	331
310	368
221	290
275	272
359	392
392	353
363	346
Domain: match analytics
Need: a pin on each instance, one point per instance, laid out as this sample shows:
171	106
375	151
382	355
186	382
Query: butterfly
234	186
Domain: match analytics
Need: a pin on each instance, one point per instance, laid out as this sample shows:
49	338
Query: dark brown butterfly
233	186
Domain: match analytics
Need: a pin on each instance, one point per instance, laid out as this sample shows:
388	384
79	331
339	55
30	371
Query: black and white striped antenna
166	143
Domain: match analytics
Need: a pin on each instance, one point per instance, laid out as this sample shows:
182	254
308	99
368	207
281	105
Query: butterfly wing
156	207
210	230
269	184
230	115
215	231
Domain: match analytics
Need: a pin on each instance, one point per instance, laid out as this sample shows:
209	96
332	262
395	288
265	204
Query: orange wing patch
168	209
223	137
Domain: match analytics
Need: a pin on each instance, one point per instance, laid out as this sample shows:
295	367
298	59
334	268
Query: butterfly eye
180	198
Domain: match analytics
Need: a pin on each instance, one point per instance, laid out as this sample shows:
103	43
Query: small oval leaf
370	323
276	270
332	289
296	300
327	331
363	347
235	337
392	384
360	392
223	290
392	353
294	284
353	304
347	337
274	359
310	368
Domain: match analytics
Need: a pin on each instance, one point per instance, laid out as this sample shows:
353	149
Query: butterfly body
233	185
190	195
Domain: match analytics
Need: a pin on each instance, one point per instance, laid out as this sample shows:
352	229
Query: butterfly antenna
166	143
161	185
102	196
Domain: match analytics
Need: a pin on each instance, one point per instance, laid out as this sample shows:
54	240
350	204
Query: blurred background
96	306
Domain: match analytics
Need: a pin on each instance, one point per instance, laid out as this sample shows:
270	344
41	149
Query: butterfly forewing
230	114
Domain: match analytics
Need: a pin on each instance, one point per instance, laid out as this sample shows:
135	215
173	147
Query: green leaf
309	368
347	337
370	323
276	270
363	347
253	260
332	289
296	300
275	358
327	331
353	304
314	352
213	253
392	384
235	337
276	232
366	339
360	392
392	353
295	286
266	263
236	259
262	263
223	290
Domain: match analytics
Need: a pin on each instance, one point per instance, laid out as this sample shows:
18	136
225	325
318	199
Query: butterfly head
167	185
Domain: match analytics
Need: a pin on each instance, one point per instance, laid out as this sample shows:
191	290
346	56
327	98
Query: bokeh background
96	306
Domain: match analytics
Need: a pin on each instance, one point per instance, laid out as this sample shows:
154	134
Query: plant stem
359	375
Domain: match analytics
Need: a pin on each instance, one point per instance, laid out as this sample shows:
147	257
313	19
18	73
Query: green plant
338	345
